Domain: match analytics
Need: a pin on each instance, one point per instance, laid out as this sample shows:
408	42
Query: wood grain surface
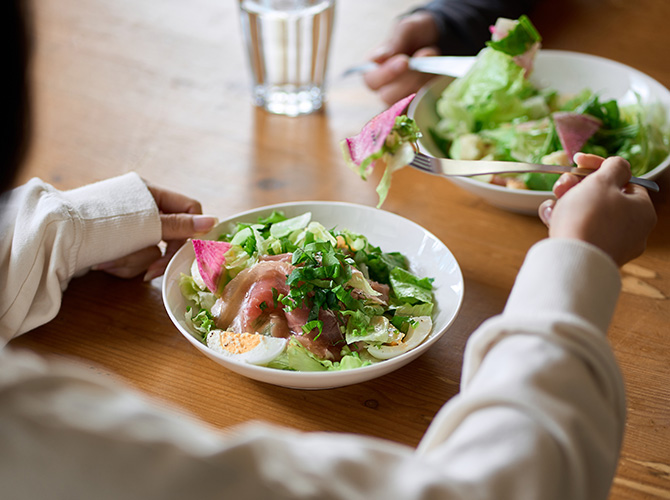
162	88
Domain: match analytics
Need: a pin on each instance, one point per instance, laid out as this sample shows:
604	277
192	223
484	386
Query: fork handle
650	185
514	167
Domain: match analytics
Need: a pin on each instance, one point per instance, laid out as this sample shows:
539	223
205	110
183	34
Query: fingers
171	202
384	52
393	46
180	215
405	86
564	183
410	34
181	218
602	209
182	226
615	170
567	181
131	265
387	71
157	267
590	161
393	80
150	261
545	210
414	35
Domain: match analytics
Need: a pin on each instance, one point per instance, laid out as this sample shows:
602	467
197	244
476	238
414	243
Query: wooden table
162	88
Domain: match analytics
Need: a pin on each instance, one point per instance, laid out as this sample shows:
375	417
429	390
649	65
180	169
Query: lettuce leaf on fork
388	140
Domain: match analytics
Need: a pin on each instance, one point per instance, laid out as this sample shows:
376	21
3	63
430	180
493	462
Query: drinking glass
288	42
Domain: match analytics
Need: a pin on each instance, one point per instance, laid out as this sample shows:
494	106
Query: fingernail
382	53
545	212
203	223
576	158
561	180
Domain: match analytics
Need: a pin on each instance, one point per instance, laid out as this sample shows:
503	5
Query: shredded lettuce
287	226
202	322
410	289
297	358
379	330
520	39
511	119
403	155
201	297
333	271
490	94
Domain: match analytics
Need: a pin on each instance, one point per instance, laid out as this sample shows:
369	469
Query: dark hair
15	101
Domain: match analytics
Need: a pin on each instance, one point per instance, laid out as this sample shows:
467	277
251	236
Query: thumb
181	226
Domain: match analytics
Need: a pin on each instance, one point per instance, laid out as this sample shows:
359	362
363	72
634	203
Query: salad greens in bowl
313	295
520	103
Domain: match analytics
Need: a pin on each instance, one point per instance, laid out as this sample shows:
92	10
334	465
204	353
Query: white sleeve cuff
118	216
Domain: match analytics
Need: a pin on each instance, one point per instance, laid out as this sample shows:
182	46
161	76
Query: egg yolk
239	343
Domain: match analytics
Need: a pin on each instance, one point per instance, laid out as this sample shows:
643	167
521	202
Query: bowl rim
325	379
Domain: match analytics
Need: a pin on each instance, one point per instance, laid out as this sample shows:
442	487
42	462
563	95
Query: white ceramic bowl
567	72
427	255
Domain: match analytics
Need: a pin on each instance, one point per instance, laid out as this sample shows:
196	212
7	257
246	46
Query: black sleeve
464	24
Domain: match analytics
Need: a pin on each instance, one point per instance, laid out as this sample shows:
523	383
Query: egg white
197	277
415	335
267	349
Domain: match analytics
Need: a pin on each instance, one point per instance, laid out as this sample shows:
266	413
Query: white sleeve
47	236
540	416
541	390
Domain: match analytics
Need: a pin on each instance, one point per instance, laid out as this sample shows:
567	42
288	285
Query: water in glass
288	43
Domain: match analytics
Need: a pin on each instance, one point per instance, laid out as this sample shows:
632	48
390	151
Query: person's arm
447	27
540	414
541	409
464	25
48	236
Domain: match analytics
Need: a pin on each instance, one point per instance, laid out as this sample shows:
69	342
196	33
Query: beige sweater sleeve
540	416
48	236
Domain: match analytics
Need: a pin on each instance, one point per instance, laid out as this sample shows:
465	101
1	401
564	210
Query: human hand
180	219
415	36
602	208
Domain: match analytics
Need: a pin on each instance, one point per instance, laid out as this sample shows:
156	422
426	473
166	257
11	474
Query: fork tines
422	162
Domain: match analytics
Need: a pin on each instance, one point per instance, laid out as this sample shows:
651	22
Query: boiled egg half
195	273
415	335
252	348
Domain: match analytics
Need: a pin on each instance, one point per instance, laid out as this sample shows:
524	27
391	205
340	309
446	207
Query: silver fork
455	66
448	167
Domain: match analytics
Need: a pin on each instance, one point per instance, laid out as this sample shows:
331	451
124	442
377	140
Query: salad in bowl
285	295
499	111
